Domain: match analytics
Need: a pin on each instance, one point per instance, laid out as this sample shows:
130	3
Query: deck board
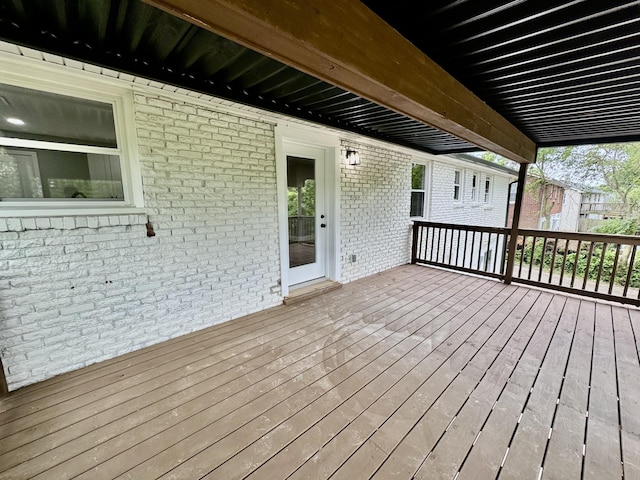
414	373
564	456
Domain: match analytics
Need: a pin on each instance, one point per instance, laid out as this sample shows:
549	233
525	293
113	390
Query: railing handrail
585	237
466	228
592	264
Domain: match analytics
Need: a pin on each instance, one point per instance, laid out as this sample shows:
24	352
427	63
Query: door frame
287	135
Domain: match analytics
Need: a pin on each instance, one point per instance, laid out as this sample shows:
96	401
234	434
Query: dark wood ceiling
562	72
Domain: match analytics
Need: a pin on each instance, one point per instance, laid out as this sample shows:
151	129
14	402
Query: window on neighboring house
418	190
513	190
63	150
475	181
456	184
487	189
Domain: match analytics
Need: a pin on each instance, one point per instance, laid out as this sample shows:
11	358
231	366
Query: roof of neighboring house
565	72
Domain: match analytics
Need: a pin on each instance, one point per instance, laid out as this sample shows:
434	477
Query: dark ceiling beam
346	44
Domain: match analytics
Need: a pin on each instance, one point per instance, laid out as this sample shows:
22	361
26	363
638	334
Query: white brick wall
76	290
374	221
444	209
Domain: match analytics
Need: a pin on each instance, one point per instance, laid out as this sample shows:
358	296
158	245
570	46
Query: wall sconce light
353	157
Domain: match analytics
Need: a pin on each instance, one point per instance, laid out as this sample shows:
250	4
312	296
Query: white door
306	213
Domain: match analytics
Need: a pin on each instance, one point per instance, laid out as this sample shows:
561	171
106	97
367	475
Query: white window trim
460	185
425	189
487	197
23	73
474	192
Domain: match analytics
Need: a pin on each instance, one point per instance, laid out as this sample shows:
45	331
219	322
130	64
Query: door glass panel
301	201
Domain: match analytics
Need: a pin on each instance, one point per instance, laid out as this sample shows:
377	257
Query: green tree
308	200
615	168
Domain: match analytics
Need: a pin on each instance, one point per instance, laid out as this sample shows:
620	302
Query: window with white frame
64	148
475	186
457	179
488	186
418	189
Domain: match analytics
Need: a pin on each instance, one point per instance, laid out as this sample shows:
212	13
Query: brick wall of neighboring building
530	213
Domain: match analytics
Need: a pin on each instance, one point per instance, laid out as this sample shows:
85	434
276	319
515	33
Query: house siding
77	290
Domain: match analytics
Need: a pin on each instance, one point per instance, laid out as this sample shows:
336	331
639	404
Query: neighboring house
596	207
555	207
570	215
532	214
133	212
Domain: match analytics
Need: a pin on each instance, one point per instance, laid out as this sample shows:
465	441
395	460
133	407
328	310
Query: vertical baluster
503	260
627	283
586	273
544	253
495	253
438	245
473	244
457	247
553	258
522	250
464	252
479	252
612	281
433	239
533	254
575	263
564	261
604	251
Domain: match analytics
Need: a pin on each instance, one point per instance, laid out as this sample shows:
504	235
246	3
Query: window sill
69	219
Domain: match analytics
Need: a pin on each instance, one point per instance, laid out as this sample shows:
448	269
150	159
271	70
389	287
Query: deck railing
598	266
301	229
466	248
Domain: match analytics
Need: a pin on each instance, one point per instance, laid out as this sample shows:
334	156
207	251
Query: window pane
456	192
35	115
35	173
417	177
417	204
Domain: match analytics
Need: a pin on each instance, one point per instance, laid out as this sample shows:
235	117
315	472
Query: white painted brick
130	290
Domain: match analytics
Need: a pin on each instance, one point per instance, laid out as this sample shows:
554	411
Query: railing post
414	244
513	236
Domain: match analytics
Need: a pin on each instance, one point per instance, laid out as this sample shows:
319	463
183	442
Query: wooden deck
414	373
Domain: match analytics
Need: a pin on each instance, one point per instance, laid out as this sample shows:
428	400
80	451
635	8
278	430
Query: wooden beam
344	43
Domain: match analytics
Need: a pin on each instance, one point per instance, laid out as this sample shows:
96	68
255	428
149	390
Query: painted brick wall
465	211
76	290
375	197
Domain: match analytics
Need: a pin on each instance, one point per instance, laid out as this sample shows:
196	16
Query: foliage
617	226
308	192
615	168
586	265
417	176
